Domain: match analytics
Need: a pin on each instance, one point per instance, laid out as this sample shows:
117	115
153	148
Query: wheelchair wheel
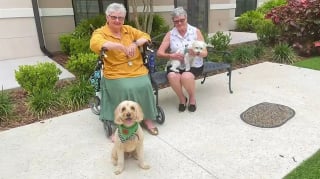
94	104
107	125
160	116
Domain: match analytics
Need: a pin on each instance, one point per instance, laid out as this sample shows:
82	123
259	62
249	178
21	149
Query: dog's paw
144	165
118	170
114	162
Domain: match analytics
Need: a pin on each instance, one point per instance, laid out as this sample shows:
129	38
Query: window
85	9
244	6
197	12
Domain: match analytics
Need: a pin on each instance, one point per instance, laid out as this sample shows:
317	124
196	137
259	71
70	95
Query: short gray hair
179	11
115	7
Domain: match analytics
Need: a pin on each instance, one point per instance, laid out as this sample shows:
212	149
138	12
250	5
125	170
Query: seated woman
124	75
176	40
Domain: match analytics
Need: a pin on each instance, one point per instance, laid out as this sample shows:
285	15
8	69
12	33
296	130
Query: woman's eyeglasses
117	17
179	21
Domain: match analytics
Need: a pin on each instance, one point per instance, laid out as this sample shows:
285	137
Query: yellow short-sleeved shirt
116	64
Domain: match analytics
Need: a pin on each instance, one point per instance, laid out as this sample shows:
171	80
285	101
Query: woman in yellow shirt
124	75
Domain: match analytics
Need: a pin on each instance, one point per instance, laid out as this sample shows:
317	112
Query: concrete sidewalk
213	142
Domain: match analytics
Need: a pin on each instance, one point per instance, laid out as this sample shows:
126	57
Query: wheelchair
148	54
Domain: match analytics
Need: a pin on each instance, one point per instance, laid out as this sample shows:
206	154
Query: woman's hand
131	50
177	56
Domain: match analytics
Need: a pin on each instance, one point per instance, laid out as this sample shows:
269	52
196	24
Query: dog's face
198	46
128	113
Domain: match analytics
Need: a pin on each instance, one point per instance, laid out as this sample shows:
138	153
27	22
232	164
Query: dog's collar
127	133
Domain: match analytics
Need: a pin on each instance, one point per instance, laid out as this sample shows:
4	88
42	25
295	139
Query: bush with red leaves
299	22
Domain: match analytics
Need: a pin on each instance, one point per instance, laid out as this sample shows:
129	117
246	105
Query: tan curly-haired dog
129	135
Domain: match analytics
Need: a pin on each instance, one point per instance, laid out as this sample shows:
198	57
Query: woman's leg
175	83
188	82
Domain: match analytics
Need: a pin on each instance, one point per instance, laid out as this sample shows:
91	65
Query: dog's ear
139	112
118	114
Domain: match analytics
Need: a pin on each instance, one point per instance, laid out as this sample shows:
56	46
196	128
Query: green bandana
126	133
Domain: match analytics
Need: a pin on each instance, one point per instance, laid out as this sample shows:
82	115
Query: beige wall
221	15
18	33
57	20
18	38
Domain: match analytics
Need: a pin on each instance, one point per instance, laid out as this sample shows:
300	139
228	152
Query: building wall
57	19
221	15
18	33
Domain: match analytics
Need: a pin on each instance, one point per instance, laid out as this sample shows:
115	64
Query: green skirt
138	89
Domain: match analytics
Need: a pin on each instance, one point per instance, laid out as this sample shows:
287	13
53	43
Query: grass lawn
309	169
312	63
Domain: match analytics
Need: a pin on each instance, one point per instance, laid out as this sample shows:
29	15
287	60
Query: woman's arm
98	41
162	51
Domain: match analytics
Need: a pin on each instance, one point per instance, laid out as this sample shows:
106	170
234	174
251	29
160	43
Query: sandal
152	131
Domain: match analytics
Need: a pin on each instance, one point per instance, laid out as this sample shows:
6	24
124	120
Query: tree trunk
146	15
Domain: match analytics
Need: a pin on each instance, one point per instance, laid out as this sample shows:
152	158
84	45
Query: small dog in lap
197	47
128	136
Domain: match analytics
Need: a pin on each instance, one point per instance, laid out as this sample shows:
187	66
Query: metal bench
159	77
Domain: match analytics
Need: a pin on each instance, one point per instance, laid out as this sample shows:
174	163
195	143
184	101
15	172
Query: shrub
267	32
243	54
283	53
64	40
299	23
267	6
82	65
6	106
220	41
78	94
35	78
159	26
42	103
78	41
79	45
248	21
258	50
86	27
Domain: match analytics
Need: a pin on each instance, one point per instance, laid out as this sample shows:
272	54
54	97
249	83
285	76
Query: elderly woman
176	40
124	75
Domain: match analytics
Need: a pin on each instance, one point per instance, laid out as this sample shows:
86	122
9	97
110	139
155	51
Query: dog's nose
128	114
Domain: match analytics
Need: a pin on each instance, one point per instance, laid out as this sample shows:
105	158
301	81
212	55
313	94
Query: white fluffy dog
128	136
197	46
